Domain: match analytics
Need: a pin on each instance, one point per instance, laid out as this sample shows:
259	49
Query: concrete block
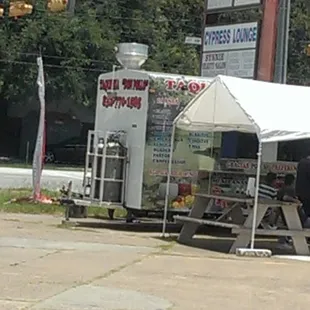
253	252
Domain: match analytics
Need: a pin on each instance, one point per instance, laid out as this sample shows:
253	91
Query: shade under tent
274	112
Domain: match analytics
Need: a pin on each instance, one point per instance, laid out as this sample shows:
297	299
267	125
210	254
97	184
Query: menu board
249	166
230	177
191	150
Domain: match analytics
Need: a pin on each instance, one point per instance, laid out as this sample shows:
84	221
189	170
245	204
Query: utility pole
280	73
6	8
287	36
71	6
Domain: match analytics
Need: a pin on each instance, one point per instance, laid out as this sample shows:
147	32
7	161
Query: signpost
230	50
38	155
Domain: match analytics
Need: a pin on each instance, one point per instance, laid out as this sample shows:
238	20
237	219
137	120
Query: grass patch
103	212
7	195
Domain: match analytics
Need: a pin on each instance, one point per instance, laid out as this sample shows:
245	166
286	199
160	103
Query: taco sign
192	86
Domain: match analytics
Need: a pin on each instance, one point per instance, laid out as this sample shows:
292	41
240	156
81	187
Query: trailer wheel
85	212
111	214
170	218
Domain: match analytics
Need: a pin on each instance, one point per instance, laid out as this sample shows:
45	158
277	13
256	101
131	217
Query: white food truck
128	150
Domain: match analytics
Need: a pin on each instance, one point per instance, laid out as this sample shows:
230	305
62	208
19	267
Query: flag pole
38	155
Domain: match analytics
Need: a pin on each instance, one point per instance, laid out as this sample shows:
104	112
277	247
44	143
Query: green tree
68	43
78	48
299	62
163	25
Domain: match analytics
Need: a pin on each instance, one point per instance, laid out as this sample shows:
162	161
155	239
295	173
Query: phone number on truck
118	102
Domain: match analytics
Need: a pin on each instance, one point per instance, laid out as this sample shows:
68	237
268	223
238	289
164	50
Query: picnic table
233	218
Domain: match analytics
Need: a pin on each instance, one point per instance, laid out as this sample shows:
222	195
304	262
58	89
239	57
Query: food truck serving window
239	145
247	145
293	150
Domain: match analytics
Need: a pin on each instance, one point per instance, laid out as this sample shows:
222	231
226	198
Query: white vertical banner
40	143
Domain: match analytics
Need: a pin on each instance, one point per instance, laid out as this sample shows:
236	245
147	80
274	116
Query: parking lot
44	266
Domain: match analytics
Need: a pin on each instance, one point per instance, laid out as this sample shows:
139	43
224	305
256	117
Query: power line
74	58
69	58
59	57
291	79
147	34
28	63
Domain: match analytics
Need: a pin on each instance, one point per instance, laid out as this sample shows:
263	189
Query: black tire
170	218
49	157
84	212
111	214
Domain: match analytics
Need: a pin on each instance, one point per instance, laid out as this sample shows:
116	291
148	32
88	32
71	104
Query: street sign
193	40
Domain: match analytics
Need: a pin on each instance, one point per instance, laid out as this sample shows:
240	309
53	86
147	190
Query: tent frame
258	170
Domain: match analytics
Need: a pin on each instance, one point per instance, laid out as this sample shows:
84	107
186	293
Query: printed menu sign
191	150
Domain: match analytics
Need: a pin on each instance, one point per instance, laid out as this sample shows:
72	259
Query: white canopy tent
275	112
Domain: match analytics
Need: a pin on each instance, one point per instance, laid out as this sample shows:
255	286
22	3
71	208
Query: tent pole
168	180
259	163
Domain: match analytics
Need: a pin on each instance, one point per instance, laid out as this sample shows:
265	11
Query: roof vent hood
132	55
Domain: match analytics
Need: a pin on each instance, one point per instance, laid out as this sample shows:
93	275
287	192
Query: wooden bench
186	219
237	229
243	228
294	227
271	232
240	199
195	218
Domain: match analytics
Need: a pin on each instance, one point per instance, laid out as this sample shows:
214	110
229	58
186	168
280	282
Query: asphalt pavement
51	179
44	267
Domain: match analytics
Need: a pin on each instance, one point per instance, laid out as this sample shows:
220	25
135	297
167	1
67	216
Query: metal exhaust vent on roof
132	55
